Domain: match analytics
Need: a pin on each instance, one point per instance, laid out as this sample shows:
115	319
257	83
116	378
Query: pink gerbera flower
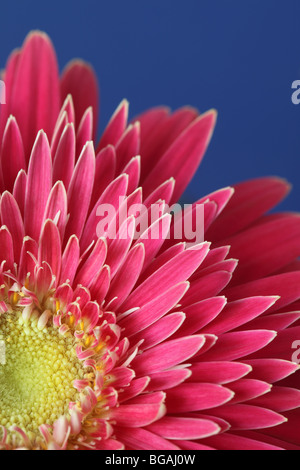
125	343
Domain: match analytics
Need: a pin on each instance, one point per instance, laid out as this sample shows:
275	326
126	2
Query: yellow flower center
36	374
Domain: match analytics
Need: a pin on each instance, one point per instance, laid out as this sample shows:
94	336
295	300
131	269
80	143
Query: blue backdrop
240	57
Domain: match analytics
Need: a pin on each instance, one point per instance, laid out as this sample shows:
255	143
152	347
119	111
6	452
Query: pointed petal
38	186
11	217
80	191
35	97
79	80
12	153
64	159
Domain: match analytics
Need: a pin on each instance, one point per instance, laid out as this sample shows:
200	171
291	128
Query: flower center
37	375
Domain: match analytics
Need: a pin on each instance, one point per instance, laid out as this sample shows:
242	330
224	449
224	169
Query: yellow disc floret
36	379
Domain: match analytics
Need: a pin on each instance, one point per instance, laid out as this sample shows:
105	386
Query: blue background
239	56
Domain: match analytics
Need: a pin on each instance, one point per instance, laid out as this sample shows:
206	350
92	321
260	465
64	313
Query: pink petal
196	396
19	190
141	439
38	186
251	200
79	76
238	313
158	136
135	416
232	346
6	248
229	441
184	428
85	131
80	191
12	153
11	217
112	195
183	157
115	127
153	310
50	247
128	146
35	96
160	330
249	417
100	284
218	372
279	399
127	276
56	208
93	264
173	272
163	380
257	247
248	389
104	172
70	260
201	313
64	159
167	355
271	370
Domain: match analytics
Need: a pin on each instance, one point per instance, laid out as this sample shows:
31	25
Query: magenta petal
19	190
38	186
85	131
159	331
250	200
257	248
12	153
115	127
271	370
100	284
196	396
229	441
231	346
136	415
70	260
93	264
248	417
141	439
189	148
238	313
64	159
104	172
126	277
80	191
56	208
76	77
50	247
218	372
35	96
163	380
153	310
11	217
184	428
128	146
167	355
6	248
173	272
279	399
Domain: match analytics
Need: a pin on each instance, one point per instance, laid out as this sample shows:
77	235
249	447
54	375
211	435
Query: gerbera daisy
133	342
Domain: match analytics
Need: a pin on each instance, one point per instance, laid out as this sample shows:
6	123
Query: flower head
132	341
